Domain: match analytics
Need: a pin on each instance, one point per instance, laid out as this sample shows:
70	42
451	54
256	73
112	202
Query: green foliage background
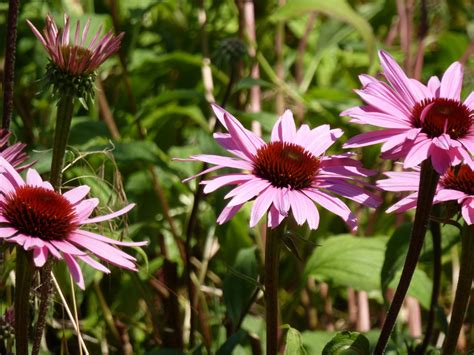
155	92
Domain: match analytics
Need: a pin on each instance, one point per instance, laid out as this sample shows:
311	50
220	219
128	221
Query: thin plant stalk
436	236
272	256
463	290
61	135
9	67
428	181
24	277
73	320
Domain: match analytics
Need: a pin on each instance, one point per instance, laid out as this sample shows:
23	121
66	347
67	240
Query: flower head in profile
457	185
39	219
73	63
418	121
290	173
14	154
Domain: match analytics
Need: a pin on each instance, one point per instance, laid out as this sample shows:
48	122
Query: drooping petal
108	216
75	270
261	205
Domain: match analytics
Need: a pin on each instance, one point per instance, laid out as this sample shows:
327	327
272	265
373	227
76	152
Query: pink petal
397	77
448	195
246	191
298	206
467	211
84	209
404	204
226	141
451	83
374	137
75	270
334	205
33	178
108	216
96	265
320	145
224	180
281	202
40	255
353	192
6	232
104	251
66	247
223	161
434	84
274	217
418	153
227	213
101	238
261	205
469	102
77	194
12	175
440	159
284	129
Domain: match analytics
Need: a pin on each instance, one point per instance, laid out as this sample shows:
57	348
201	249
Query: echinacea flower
71	70
38	218
291	172
75	57
418	121
457	184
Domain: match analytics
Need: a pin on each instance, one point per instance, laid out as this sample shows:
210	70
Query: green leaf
397	248
338	9
237	286
349	261
229	345
395	254
347	343
294	343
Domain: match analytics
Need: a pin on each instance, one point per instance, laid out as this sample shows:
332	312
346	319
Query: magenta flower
457	184
418	121
75	57
290	172
36	217
14	153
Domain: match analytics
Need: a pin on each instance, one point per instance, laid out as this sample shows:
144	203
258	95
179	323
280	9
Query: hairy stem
272	256
428	181
463	291
9	67
24	276
61	135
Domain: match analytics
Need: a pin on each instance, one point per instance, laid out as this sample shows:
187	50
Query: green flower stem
463	290
272	257
428	180
61	136
24	276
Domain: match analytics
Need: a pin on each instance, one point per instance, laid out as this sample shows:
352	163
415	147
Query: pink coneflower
14	153
290	172
36	217
457	184
419	121
75	57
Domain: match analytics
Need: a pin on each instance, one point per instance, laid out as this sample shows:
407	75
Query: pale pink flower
75	57
37	218
418	121
291	172
14	153
457	184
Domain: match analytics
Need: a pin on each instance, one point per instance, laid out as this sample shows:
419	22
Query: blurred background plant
152	104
